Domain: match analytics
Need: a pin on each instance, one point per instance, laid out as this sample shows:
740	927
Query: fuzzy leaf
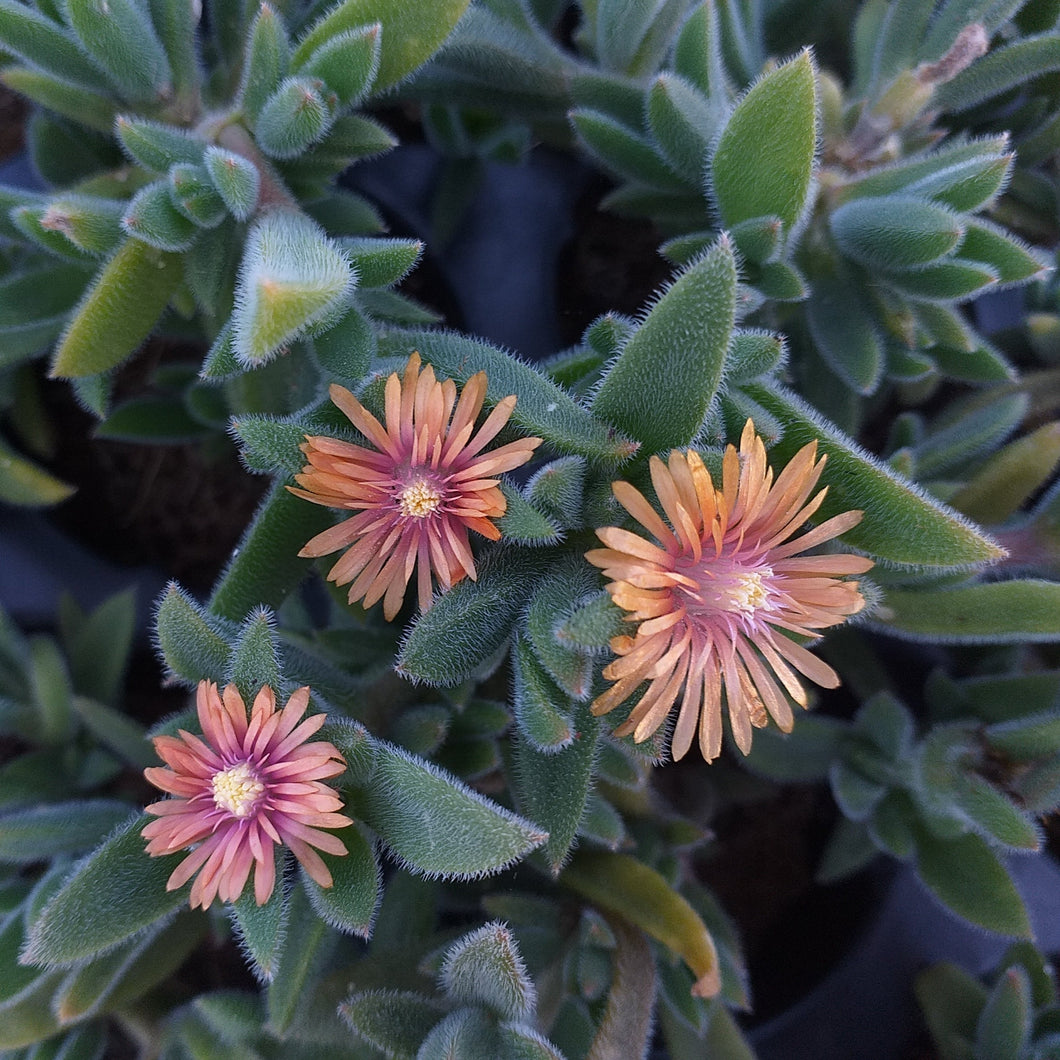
895	232
292	276
412	31
115	892
296	115
485	967
155	145
1003	69
543	408
991	613
753	354
304	952
967	186
949	281
255	660
91	224
349	905
966	875
951	1001
682	122
25	483
522	522
261	930
682	342
119	37
118	311
538	704
192	194
901	525
265	65
347	63
469	623
758	171
381	262
846	333
191	646
345	351
43	43
465	1032
43	832
558	489
436	825
553	786
633	890
1001	251
71	101
236	179
622	151
152	420
393	1022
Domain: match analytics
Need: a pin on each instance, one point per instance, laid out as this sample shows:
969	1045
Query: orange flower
243	787
716	595
421	489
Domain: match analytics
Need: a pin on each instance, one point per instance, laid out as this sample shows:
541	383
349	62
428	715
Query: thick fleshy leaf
349	905
553	787
261	930
756	170
661	385
42	832
522	522
623	151
412	31
236	179
305	950
392	1021
155	145
296	115
966	875
846	332
485	967
465	628
951	1001
1003	69
902	525
265	65
256	655
895	232
992	613
417	810
542	408
118	311
465	1032
621	884
539	705
347	63
113	893
682	122
292	276
26	483
93	109
152	421
44	43
192	645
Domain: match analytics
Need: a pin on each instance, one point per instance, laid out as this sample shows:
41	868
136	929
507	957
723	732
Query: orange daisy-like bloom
418	493
716	595
242	787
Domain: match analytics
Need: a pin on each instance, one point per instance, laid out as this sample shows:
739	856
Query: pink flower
241	788
719	591
421	489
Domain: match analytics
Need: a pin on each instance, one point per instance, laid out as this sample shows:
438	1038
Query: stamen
419	499
237	789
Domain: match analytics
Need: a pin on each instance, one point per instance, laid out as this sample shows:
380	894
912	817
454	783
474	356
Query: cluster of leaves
1016	1017
192	175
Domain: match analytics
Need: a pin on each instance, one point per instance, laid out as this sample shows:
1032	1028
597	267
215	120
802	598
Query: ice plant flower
718	590
421	489
244	786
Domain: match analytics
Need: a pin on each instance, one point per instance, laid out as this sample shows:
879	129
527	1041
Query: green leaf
98	644
951	1001
682	343
119	36
417	810
558	490
25	483
1003	1030
292	276
543	408
296	115
799	757
152	420
763	163
92	225
125	737
895	232
522	522
177	23
255	657
236	179
118	311
465	1032
351	902
520	1042
115	892
591	624
347	63
902	525
394	1022
261	929
42	832
966	875
1013	260
193	195
622	151
753	354
846	332
539	706
92	109
966	432
1002	69
381	262
345	351
156	145
412	31
467	626
265	63
50	689
484	967
619	883
192	645
44	43
967	186
266	566
950	281
304	953
992	613
682	121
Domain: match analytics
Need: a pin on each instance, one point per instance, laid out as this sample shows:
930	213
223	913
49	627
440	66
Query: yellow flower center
419	499
237	789
747	593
